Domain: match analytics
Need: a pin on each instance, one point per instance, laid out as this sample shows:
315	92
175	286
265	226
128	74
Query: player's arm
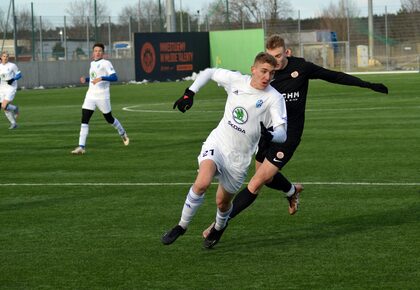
278	135
317	72
84	79
185	102
278	116
17	76
111	78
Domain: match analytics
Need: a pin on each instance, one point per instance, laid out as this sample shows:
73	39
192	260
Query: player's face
280	54
4	58
98	53
262	74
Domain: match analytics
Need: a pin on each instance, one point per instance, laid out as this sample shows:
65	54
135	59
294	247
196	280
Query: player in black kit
292	80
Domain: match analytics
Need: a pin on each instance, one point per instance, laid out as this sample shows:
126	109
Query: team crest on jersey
240	115
93	75
294	74
259	103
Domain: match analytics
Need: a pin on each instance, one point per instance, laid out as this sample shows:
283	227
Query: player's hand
185	102
97	80
381	88
265	133
10	82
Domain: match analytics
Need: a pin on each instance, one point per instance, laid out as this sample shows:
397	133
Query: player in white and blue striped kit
9	74
101	73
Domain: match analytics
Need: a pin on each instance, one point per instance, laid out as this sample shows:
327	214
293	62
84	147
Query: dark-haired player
101	73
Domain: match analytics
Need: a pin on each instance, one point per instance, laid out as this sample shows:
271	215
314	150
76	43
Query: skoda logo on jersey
93	75
259	103
240	115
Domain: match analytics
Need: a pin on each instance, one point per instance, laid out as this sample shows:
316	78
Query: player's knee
256	183
222	204
86	115
109	118
200	187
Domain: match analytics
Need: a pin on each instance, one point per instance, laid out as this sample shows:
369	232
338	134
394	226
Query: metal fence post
41	45
87	36
109	36
65	39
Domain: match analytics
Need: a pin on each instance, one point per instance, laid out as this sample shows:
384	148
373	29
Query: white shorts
104	105
230	176
7	93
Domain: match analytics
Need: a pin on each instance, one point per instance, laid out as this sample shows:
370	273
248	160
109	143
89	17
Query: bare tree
3	21
249	10
24	20
79	10
140	12
334	17
410	5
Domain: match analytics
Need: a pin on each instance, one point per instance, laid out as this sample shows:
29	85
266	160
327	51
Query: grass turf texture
57	233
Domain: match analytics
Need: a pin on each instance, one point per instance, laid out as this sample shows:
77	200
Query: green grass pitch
95	221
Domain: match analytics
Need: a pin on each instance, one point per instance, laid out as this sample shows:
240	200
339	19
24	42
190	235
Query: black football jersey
293	81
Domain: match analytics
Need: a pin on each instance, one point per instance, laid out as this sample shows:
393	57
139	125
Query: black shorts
277	154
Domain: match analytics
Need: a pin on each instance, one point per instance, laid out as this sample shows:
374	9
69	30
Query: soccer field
95	221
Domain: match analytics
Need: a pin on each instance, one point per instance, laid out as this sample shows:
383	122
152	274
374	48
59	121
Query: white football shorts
230	176
7	93
104	105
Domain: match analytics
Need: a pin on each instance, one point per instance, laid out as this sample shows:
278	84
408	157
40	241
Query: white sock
290	192
84	131
10	117
191	205
117	125
222	218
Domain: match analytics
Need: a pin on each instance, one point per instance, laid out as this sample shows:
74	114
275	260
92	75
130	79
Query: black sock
242	200
280	182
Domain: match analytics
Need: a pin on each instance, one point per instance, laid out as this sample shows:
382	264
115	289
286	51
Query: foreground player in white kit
101	73
251	106
9	74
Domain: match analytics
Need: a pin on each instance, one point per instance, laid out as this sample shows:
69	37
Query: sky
307	8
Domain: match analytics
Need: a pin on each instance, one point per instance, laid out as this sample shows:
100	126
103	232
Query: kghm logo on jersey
240	115
259	103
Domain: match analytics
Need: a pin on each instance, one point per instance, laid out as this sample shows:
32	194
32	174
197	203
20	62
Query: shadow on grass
289	234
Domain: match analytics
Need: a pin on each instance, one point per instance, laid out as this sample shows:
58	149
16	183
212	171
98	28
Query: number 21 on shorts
207	152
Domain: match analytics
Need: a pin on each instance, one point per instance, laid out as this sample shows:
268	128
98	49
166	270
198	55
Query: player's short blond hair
275	41
264	57
4	52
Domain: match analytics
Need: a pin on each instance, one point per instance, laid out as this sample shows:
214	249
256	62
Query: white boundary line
189	183
134	109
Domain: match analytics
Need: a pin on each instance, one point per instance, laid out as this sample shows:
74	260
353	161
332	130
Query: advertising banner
170	56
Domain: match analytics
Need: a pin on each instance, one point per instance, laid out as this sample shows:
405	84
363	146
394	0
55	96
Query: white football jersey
99	68
239	130
8	71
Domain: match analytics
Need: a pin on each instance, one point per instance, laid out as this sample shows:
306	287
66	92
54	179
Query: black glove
10	82
185	102
381	88
265	133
